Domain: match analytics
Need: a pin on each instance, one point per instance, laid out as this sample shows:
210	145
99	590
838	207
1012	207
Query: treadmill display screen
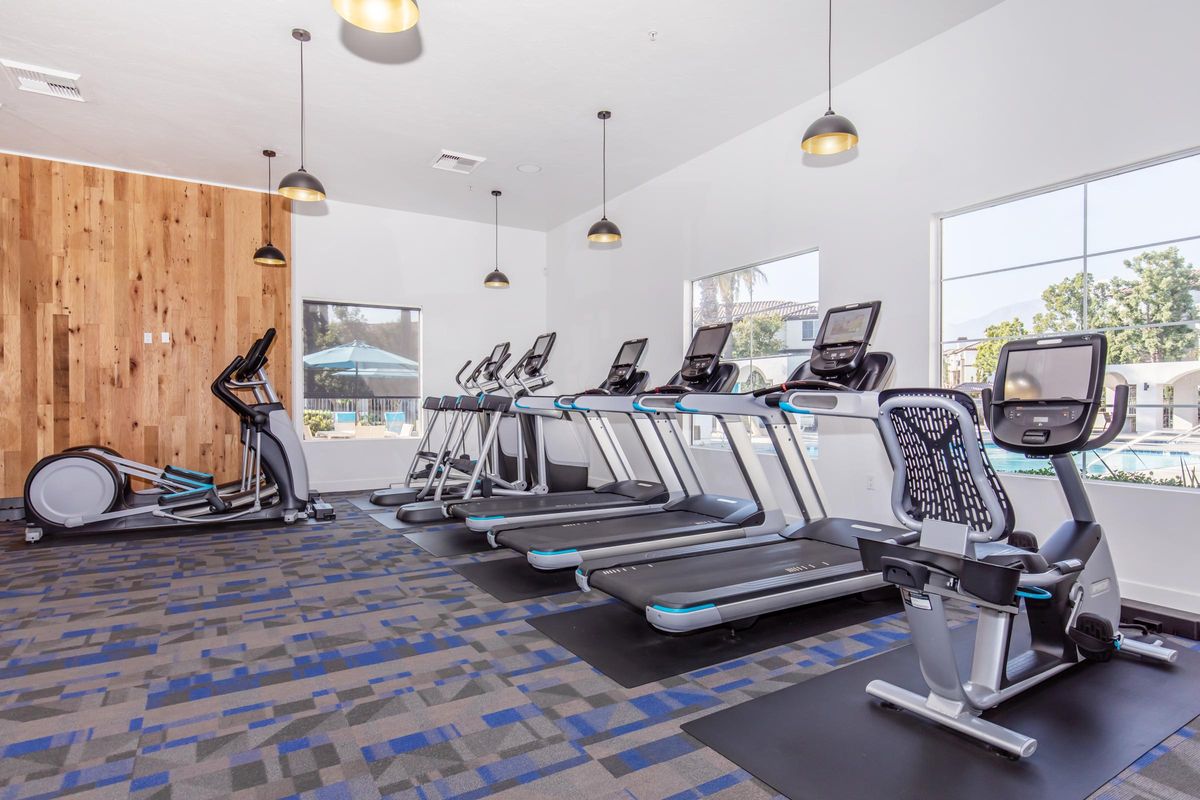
542	344
709	341
498	353
848	326
1053	373
631	353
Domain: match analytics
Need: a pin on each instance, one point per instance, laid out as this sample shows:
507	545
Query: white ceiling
196	89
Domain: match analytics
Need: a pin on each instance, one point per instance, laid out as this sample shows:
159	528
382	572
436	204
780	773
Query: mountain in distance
973	328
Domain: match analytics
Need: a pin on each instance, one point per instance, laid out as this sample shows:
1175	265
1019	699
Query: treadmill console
843	340
1047	393
625	365
704	354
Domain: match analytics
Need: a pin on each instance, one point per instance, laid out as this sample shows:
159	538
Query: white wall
1024	95
364	254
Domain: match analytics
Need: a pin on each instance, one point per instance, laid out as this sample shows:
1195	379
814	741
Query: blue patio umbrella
362	360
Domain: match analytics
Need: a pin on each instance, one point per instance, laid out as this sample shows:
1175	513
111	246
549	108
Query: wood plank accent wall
91	259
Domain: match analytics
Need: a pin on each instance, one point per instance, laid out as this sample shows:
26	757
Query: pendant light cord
497	199
270	236
604	169
302	103
828	58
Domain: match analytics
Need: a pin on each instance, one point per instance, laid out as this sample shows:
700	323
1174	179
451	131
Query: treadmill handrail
859	405
738	405
613	404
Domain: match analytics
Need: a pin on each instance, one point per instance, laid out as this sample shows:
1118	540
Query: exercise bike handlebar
1116	422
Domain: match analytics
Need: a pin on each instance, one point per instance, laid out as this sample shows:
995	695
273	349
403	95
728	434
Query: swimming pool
1140	460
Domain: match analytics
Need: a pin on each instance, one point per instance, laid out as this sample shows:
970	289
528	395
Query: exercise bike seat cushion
1008	556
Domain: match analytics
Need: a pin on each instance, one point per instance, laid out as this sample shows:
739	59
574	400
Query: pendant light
300	185
831	133
604	231
379	16
269	255
496	279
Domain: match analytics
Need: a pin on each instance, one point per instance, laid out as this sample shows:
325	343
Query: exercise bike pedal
1094	636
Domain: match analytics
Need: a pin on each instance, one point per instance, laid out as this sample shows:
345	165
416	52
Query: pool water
1124	461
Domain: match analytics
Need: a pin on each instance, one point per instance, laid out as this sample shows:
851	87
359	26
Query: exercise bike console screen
1060	373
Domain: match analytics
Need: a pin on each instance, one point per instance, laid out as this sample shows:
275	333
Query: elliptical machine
1044	402
89	490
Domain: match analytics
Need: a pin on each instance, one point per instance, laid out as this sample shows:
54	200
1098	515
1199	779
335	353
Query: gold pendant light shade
379	16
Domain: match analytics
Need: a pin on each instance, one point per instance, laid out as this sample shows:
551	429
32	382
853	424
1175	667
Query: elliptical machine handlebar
220	387
458	378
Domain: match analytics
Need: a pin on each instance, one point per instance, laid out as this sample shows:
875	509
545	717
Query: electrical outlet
147	338
166	337
870	483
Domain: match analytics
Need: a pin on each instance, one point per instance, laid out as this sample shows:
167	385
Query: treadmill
700	517
688	588
702	370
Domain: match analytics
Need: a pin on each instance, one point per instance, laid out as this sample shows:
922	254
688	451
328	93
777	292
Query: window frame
298	383
939	342
689	326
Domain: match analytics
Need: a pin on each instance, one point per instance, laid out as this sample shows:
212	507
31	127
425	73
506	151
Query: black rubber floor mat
448	540
511	579
618	641
827	738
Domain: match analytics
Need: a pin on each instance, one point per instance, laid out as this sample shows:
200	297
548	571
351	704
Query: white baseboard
1161	596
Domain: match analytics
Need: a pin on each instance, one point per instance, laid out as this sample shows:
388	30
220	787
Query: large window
362	372
1116	254
773	308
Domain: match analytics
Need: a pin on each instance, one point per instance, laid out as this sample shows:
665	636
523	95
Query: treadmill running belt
640	585
514	506
611	531
827	738
618	641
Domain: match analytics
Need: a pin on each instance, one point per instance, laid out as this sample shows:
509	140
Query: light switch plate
147	338
166	337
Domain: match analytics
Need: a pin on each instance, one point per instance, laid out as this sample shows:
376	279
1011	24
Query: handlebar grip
810	383
1120	410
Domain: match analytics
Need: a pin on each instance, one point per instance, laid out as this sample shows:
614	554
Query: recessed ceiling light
528	169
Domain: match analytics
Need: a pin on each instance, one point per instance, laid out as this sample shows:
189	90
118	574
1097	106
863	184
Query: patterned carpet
340	661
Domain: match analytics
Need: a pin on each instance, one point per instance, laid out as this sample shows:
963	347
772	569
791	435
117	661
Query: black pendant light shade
605	230
496	279
831	133
269	255
379	16
301	185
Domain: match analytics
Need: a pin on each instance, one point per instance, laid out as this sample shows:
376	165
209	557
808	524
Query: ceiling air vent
41	80
461	163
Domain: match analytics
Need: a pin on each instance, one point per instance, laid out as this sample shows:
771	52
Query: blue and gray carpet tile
339	660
